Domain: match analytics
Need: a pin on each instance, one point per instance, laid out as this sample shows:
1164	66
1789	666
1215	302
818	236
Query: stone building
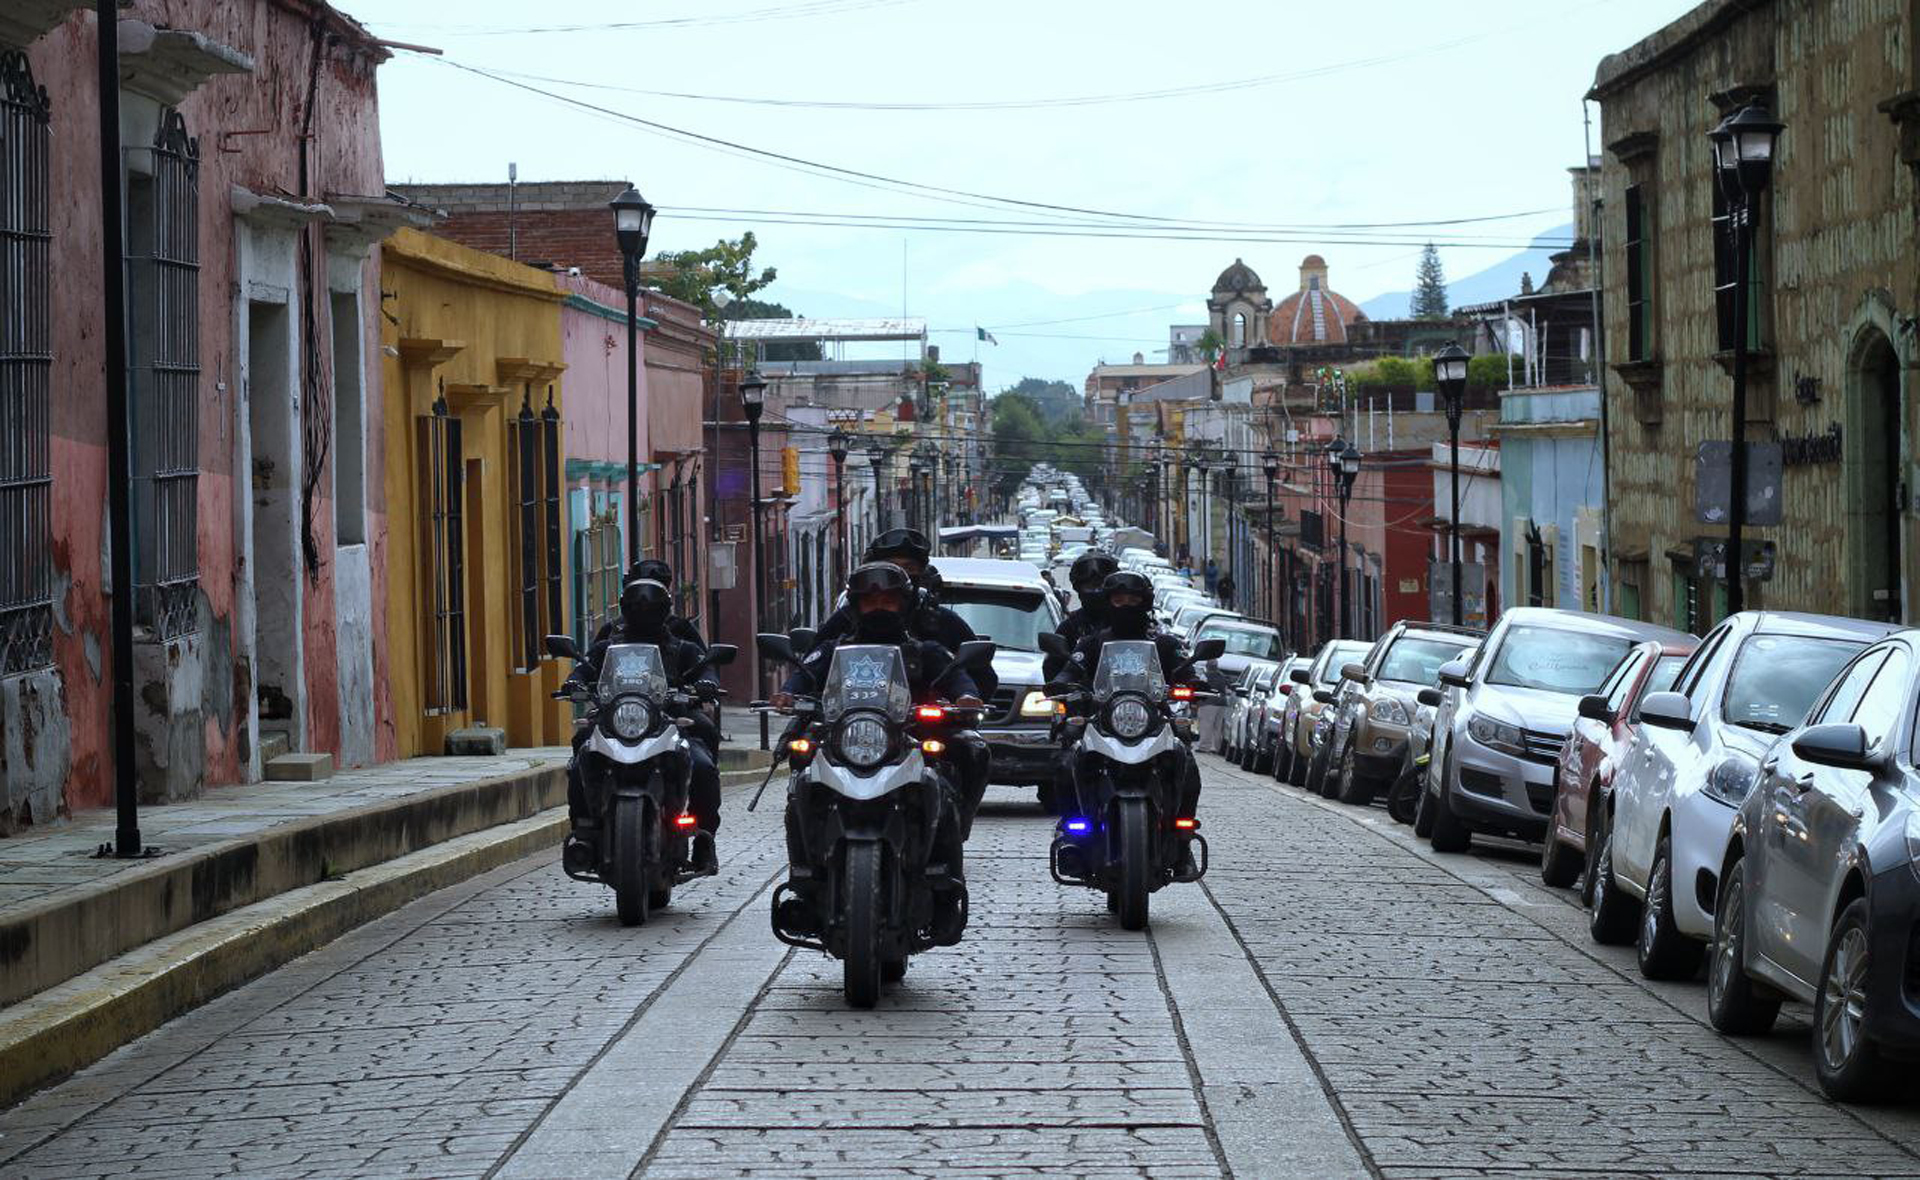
1832	337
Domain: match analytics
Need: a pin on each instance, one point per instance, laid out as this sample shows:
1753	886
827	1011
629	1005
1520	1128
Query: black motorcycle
1131	736
636	768
868	791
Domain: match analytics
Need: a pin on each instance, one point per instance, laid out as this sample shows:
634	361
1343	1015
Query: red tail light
1286	690
685	821
1181	692
1187	825
929	712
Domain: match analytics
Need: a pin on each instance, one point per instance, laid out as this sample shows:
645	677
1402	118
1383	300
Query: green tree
726	265
1210	345
1057	401
1430	287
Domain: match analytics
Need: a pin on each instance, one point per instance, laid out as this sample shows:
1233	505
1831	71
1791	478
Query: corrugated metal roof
812	329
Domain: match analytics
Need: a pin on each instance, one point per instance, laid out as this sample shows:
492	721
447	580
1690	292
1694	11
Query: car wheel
1735	1005
1848	1064
1450	832
1423	810
1296	767
1317	772
1664	952
1351	786
1560	865
1262	758
1592	857
1612	916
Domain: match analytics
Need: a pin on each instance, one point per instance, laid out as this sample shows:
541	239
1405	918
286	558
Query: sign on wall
1473	611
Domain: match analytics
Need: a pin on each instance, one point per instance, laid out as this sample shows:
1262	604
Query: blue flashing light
1077	825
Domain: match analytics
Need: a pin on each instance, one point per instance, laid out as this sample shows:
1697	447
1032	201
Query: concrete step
273	745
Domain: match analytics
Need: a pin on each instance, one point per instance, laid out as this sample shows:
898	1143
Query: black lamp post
916	468
1743	147
753	399
1344	459
632	223
837	446
876	463
1270	463
1450	373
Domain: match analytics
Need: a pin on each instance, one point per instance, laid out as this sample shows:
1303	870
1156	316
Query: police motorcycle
636	769
1130	733
865	800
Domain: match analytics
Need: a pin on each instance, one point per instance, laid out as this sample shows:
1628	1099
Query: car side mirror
1841	746
1054	644
1430	697
1668	710
1208	649
1354	673
1300	676
563	647
803	639
1453	676
775	646
1594	708
1324	696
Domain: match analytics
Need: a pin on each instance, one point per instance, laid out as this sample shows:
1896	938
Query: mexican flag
981	333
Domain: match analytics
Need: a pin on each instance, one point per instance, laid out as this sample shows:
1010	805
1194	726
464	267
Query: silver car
1010	603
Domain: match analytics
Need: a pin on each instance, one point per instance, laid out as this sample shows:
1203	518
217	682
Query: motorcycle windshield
633	668
867	676
1129	665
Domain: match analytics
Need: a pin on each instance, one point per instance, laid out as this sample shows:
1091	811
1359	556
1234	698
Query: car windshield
1243	641
1555	659
1012	618
1775	679
1416	661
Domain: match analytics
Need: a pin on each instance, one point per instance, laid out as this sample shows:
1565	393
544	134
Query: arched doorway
1873	433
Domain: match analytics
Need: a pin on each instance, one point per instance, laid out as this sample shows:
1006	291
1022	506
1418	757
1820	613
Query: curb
74	1024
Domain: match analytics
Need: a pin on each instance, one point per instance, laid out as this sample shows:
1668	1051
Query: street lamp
1743	151
753	398
1344	461
877	452
1450	373
1270	463
837	446
632	224
916	469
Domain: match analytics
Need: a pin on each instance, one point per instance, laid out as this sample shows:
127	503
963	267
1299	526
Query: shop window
26	371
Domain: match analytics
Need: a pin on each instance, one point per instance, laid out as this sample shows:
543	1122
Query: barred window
597	565
26	369
163	251
1639	277
534	445
442	491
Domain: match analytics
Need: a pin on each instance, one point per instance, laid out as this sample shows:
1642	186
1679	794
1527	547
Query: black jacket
681	629
926	663
1078	624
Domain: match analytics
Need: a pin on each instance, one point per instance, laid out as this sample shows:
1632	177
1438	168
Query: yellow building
475	484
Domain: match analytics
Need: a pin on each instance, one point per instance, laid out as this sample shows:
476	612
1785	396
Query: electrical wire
753	16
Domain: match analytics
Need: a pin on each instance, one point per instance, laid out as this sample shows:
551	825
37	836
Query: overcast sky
1286	121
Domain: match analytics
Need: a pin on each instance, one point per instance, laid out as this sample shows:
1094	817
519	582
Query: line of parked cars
1744	806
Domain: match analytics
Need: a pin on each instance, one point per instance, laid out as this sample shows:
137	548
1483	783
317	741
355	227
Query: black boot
705	861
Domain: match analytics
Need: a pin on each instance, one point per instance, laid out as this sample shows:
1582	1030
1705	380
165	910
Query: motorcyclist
646	610
1129	616
652	569
910	551
879	597
1088	574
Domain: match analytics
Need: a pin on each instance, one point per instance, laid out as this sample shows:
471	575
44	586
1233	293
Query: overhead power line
754	16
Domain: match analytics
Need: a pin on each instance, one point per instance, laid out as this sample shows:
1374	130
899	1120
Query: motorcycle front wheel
1135	845
861	891
630	868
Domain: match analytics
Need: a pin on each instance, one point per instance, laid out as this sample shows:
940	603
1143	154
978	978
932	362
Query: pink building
254	197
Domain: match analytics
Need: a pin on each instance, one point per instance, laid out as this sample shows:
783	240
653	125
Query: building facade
1833	301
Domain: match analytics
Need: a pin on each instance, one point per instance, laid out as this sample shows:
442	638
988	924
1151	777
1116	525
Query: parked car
1499	729
1819	892
1690	764
1252	684
1590	756
1269	718
1375	707
1247	640
1304	706
1010	603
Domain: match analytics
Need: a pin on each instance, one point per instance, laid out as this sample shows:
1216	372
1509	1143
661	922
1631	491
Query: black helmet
651	569
911	543
880	626
1132	621
645	606
1090	570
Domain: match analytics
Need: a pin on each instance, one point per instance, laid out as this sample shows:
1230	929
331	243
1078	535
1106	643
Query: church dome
1238	277
1315	314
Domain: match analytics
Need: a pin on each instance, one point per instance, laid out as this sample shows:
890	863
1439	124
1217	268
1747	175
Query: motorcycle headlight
1129	718
632	718
1389	710
1037	704
1732	781
1497	735
864	742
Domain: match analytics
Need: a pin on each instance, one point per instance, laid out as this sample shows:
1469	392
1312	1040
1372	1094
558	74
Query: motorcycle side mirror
1054	645
1430	697
803	639
775	646
974	654
1208	649
563	647
721	654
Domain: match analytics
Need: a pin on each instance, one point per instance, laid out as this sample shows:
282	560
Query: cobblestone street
1333	1002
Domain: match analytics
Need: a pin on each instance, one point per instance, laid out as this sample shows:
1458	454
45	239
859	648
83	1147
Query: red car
1584	771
